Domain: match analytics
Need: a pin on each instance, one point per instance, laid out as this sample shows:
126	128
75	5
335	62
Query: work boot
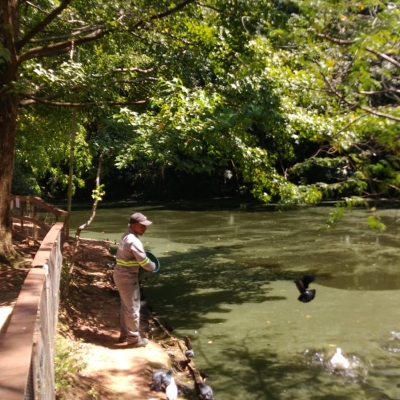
122	338
137	342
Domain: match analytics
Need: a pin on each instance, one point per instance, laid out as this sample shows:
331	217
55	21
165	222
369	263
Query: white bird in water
395	335
172	390
339	361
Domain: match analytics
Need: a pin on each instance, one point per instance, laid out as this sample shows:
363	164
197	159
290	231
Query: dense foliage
291	101
295	101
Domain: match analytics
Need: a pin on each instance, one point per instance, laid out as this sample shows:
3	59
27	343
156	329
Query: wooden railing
28	345
33	217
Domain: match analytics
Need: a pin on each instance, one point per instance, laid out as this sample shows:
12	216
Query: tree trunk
8	118
9	101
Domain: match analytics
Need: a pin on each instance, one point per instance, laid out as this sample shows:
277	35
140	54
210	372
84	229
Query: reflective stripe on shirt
132	263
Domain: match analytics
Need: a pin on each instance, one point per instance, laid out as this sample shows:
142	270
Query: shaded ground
11	280
89	320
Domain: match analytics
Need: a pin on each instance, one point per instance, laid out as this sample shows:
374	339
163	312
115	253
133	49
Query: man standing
130	256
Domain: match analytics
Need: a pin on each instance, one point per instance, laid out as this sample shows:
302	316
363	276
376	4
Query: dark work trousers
126	280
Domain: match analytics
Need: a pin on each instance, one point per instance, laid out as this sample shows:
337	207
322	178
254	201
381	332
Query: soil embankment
91	315
89	322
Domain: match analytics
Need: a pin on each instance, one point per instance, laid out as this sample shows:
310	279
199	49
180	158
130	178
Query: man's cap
139	218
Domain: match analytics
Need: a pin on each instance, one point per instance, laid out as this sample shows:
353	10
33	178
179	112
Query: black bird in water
206	392
157	376
306	295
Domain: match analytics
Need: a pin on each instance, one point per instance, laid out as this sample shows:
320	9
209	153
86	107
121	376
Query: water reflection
392	344
227	282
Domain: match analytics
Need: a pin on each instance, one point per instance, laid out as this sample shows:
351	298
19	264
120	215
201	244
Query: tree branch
165	13
336	40
394	187
142	71
131	81
207	6
385	57
48	102
351	123
378	113
35	6
368	110
377	92
349	42
39	27
67	36
65	46
62	47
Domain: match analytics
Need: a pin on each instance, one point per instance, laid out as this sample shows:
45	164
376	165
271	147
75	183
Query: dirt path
114	371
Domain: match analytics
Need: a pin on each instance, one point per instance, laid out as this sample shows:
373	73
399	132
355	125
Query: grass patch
68	361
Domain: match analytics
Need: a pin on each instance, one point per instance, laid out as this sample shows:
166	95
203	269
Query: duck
171	390
339	361
157	375
306	295
206	393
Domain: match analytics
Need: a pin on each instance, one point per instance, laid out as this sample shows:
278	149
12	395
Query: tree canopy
299	100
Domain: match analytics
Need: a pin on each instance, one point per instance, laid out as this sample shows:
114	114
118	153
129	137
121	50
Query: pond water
227	282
